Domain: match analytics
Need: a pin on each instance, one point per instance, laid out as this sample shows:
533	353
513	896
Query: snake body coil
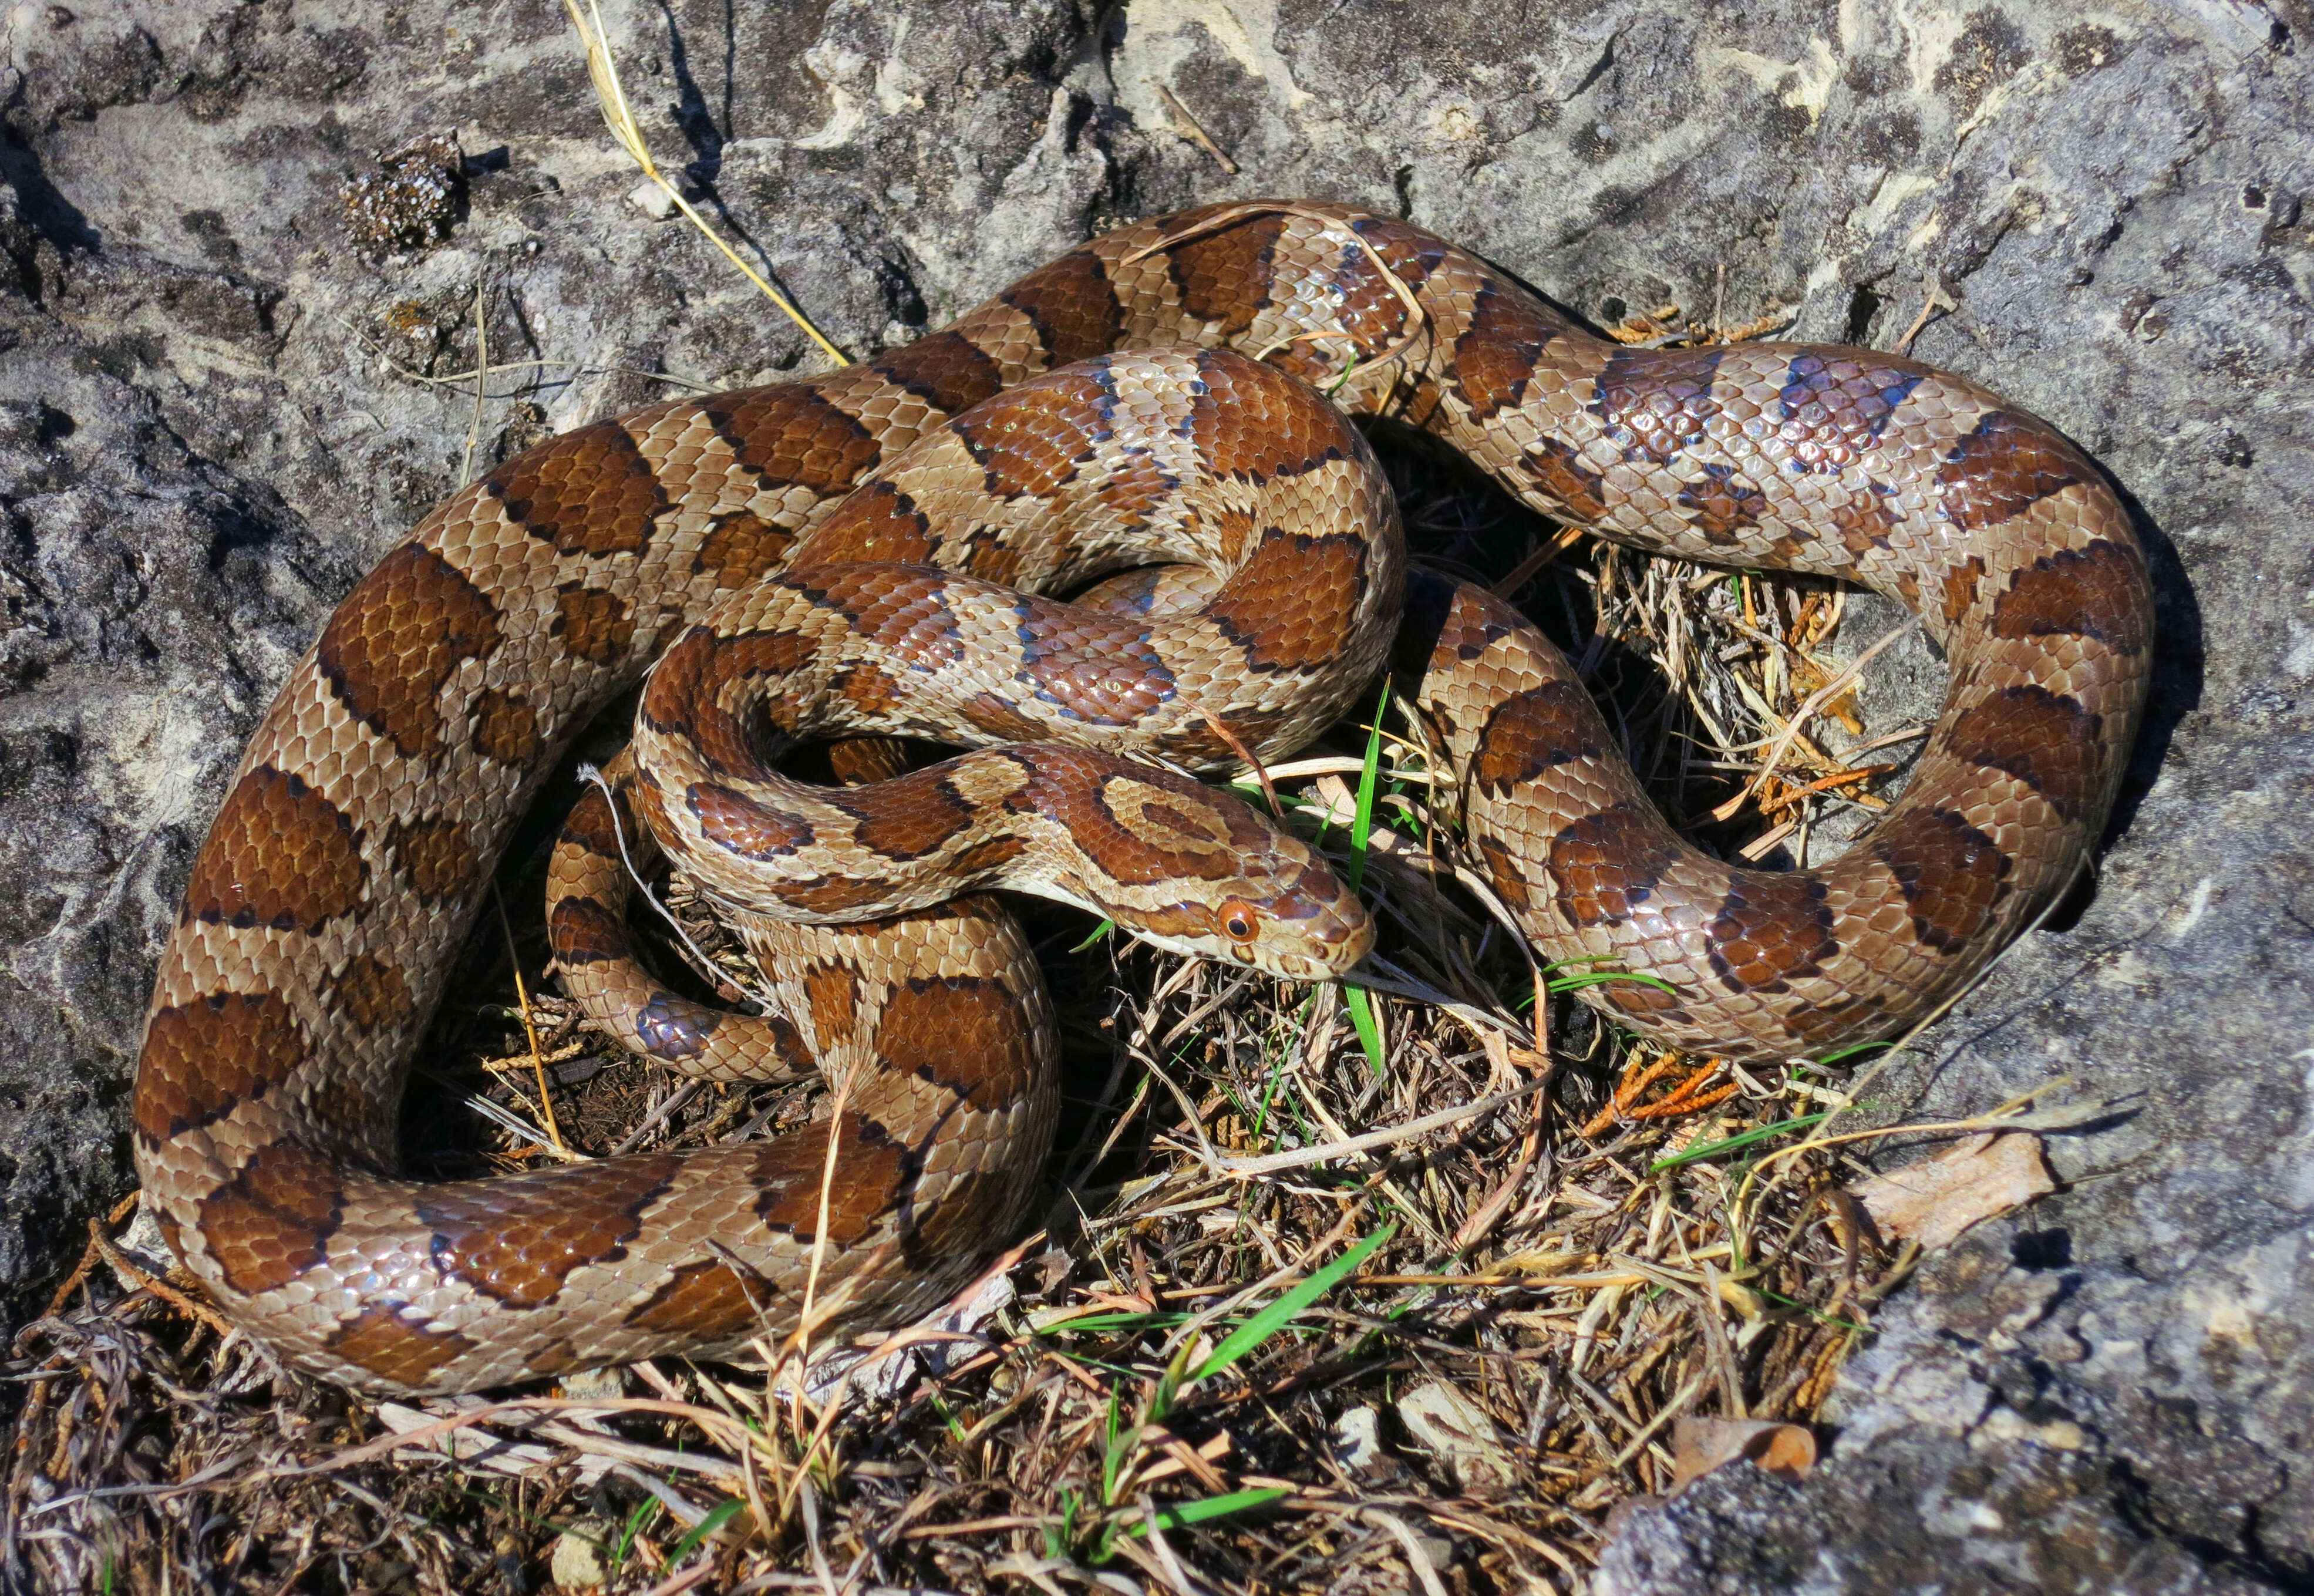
848	554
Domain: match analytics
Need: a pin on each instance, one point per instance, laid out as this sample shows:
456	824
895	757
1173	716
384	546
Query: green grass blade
1845	1053
1099	931
1210	1507
1756	1134
1363	1021
1369	776
1278	1069
719	1515
1272	1318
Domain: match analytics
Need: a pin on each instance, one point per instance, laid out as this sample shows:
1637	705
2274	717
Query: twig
1937	300
90	1254
1806	711
1190	125
481	380
1524	570
529	1029
167	1293
1302	1157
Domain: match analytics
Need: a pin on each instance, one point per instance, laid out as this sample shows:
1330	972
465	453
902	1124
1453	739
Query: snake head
1190	869
1296	920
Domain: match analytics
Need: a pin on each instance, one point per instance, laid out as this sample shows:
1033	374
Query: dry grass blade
620	117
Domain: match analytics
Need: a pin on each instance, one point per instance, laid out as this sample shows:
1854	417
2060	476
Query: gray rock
201	445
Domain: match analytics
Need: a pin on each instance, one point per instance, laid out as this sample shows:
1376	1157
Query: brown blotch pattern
435	856
398	638
832	988
1084	792
1256	423
1507	871
1560	471
1447	622
1070	305
946	370
991	854
587	492
737	823
1654	402
1534	731
966	1217
1410	253
869	688
1836	403
393	1347
872	1172
1953	875
1366	305
201	1059
1605	866
1134	486
2096	592
371	993
553	1358
582	931
1000	719
877	522
2005	465
966	1033
1032	441
1195	742
592	825
1225	277
740	547
907	817
518	1240
273	1220
1093	667
280	854
1721	503
854	762
705	1302
1294	601
1864	521
1495	356
506	726
681	696
787	435
829	895
595	625
1771	929
904	611
2047	741
1961	583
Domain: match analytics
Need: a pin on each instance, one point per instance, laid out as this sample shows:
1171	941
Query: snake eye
1239	920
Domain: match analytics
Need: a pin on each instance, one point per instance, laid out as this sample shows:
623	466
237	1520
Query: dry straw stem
612	95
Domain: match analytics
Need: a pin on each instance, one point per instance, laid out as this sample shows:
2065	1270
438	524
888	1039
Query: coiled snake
850	555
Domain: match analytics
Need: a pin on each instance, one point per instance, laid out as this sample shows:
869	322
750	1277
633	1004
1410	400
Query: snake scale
862	555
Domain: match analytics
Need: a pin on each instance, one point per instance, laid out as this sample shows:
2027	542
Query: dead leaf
1698	1446
1933	1202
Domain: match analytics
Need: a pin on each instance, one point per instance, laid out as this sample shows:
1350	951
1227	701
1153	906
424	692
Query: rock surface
202	443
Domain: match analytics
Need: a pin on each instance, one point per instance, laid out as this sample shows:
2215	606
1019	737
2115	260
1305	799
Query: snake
1161	422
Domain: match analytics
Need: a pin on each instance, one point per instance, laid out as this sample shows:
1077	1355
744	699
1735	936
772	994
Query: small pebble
577	1563
1357	1438
652	200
